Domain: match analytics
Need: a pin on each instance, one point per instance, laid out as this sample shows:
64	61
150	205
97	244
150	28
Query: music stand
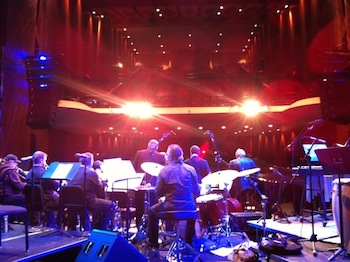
125	179
61	171
336	160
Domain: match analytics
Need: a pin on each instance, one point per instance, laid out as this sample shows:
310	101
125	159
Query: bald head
195	150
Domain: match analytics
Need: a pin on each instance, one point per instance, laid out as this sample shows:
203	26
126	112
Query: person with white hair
241	188
178	183
149	154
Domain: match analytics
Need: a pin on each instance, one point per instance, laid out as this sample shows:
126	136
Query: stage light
138	109
252	108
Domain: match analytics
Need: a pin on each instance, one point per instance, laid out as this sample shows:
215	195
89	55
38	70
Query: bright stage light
251	108
138	109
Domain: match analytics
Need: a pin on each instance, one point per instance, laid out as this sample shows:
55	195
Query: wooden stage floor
53	245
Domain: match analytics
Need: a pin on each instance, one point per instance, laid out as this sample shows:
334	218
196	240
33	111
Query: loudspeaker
42	107
335	97
108	246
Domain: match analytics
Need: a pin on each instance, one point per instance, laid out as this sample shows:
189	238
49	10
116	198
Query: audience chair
8	210
179	247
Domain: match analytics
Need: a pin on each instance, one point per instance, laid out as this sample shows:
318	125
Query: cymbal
145	188
151	168
249	171
223	176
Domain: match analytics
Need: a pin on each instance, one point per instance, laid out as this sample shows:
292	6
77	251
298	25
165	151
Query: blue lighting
42	58
43	85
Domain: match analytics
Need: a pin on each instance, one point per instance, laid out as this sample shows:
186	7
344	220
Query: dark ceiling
194	54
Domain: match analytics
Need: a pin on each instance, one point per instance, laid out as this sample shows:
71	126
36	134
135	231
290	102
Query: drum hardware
142	231
276	208
128	205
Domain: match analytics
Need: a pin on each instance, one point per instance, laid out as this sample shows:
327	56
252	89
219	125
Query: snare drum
345	198
210	209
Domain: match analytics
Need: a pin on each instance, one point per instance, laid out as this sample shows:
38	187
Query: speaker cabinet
42	107
108	246
335	97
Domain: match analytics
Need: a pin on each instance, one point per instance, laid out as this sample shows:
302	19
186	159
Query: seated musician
49	186
178	183
103	209
11	183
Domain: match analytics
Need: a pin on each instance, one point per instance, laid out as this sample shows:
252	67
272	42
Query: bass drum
345	198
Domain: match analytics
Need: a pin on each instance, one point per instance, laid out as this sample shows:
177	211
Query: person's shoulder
189	167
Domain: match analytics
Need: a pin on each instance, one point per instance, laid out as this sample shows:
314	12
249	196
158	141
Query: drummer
177	182
150	154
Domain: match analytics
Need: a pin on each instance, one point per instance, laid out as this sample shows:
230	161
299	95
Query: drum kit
214	209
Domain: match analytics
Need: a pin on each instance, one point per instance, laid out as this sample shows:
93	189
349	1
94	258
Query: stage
52	245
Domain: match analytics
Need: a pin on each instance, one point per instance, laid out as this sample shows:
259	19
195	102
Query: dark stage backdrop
32	26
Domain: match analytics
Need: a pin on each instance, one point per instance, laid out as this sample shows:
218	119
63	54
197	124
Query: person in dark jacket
178	183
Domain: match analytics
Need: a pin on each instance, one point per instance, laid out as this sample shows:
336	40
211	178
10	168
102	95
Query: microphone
316	139
26	158
80	155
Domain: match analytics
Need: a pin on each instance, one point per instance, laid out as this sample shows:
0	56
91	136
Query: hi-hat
219	177
151	168
249	172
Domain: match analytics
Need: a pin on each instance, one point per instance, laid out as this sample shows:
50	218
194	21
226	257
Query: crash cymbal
151	168
249	172
219	177
145	188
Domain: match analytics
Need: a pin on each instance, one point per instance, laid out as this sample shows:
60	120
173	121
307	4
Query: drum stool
178	245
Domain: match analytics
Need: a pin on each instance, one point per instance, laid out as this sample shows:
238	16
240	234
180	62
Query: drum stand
276	208
143	228
263	203
225	227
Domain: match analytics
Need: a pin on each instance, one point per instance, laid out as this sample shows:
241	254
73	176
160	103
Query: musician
11	184
103	209
242	188
50	188
150	154
178	182
97	166
200	164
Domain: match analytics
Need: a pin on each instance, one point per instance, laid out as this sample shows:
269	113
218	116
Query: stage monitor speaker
108	246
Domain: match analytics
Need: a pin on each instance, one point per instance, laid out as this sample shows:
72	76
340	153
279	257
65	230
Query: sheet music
61	171
115	169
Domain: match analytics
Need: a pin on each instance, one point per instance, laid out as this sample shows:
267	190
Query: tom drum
210	209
